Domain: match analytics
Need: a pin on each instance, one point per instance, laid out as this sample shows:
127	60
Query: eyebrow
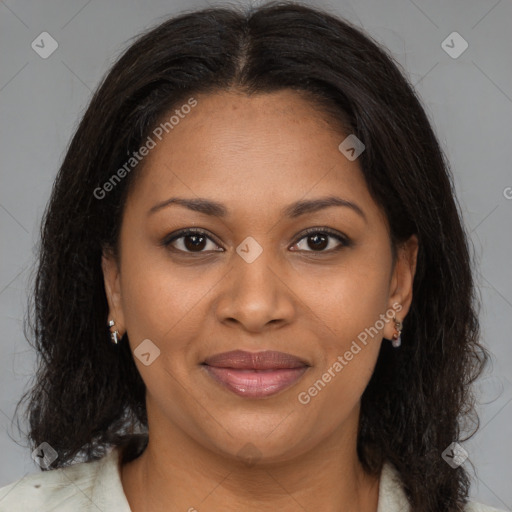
314	205
216	209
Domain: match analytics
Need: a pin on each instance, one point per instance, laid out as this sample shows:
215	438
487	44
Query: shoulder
478	507
50	490
83	486
392	496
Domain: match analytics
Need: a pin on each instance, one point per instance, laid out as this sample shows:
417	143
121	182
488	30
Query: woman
254	290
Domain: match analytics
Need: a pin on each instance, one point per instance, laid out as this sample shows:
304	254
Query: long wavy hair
88	396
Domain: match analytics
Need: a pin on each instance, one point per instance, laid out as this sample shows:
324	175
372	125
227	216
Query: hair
87	394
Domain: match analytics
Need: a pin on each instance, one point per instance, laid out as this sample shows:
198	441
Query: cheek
351	299
158	299
349	311
164	305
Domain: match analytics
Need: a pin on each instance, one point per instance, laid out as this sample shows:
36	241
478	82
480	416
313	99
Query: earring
114	336
397	339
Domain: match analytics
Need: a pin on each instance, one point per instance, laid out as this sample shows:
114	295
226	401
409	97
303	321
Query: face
268	267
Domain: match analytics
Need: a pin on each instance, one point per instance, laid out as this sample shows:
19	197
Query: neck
177	473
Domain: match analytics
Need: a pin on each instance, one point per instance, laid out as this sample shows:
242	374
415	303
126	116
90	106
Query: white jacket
93	486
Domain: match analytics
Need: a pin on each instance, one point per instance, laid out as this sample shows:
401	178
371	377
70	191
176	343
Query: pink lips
255	374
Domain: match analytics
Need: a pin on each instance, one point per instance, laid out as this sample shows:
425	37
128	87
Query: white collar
392	497
97	485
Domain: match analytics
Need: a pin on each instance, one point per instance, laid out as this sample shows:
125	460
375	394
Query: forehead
247	151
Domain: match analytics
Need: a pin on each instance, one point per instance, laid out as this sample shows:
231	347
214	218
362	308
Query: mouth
255	374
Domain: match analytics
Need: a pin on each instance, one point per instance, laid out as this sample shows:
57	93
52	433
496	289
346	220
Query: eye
191	240
321	240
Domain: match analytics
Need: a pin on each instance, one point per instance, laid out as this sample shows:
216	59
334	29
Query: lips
267	360
255	374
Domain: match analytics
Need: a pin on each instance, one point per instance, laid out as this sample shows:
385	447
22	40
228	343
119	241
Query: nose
256	295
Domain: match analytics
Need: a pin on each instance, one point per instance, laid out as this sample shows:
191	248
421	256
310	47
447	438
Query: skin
255	155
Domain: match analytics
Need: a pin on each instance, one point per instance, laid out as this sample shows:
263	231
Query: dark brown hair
88	394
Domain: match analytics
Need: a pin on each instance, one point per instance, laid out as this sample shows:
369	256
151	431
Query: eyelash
344	241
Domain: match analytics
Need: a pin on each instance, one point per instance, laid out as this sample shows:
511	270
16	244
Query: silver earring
114	336
397	338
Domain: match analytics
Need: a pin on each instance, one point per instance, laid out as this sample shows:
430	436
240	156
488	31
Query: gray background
468	100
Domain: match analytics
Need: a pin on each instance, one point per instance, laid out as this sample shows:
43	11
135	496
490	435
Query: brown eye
317	242
191	241
321	241
194	242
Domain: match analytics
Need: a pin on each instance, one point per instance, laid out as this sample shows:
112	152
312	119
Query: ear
112	280
401	286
